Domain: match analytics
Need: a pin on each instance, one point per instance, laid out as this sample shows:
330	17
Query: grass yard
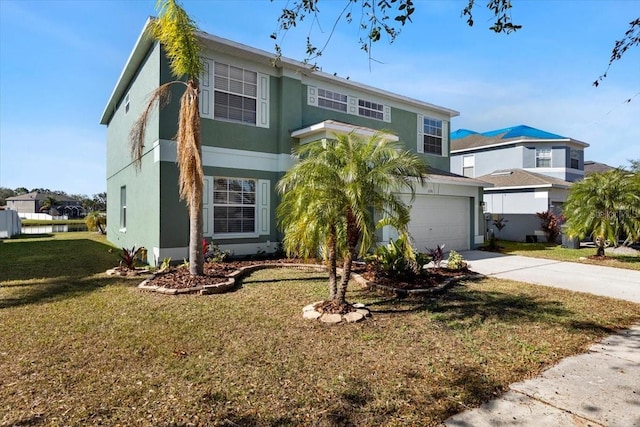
80	348
557	252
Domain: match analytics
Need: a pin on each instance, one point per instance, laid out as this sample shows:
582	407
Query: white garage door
436	220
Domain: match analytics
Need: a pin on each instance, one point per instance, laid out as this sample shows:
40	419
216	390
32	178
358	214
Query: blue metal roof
461	133
519	131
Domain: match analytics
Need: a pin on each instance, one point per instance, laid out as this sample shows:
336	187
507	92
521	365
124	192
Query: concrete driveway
598	388
593	279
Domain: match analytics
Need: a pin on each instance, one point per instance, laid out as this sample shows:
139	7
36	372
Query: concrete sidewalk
598	388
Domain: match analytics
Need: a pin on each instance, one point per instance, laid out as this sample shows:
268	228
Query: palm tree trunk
353	235
600	250
196	257
332	264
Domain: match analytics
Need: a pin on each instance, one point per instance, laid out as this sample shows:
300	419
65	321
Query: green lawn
557	252
79	348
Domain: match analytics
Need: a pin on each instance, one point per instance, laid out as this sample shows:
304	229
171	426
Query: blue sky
59	62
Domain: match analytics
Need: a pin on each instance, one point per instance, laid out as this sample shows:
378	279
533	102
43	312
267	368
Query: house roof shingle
591	167
520	178
36	195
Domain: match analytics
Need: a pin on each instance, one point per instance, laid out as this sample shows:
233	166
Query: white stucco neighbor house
530	170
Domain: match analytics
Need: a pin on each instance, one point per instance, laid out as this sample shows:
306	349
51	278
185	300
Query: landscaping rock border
223	287
309	312
414	292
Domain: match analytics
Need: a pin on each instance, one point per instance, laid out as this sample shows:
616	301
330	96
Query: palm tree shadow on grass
460	306
51	290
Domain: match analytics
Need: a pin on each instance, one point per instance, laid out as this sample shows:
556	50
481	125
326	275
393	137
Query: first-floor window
234	205
543	157
123	207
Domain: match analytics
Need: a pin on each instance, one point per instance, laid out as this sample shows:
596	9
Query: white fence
10	224
41	216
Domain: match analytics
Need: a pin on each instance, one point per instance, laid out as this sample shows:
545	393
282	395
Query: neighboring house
591	167
530	170
252	114
33	203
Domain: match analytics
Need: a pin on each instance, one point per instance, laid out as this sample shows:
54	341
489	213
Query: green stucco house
253	112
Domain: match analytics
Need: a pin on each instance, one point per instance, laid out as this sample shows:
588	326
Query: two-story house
529	170
252	114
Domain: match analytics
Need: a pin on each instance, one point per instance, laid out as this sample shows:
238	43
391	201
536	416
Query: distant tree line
97	202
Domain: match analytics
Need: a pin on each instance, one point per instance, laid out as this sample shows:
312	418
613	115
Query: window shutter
387	114
420	133
312	95
262	119
445	138
207	207
264	205
206	89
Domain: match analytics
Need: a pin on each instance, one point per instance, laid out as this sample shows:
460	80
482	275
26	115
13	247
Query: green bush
456	262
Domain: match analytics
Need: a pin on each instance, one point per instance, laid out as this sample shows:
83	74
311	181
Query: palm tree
340	192
49	204
604	206
96	221
176	31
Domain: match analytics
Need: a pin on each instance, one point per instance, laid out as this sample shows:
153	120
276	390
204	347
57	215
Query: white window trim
207	95
544	153
353	107
123	209
445	136
469	162
262	210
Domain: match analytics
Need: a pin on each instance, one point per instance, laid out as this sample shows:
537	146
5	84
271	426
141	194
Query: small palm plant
605	206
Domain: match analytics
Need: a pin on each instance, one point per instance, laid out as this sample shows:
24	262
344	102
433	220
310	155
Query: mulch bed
178	277
433	279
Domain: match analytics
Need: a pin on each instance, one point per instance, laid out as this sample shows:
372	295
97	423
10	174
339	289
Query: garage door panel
437	220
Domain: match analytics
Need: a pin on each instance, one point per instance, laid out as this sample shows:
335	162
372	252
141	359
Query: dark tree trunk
353	236
331	264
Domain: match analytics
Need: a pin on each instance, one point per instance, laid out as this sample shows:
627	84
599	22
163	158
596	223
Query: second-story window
370	109
543	157
332	100
432	136
575	159
236	92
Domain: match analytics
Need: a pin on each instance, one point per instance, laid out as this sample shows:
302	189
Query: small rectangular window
123	207
370	109
543	157
468	163
332	100
126	104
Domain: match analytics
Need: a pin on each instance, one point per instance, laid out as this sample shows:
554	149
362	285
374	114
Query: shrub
456	262
500	223
215	254
550	225
437	255
398	259
128	257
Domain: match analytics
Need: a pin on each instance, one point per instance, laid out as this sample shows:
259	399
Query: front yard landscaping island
78	347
